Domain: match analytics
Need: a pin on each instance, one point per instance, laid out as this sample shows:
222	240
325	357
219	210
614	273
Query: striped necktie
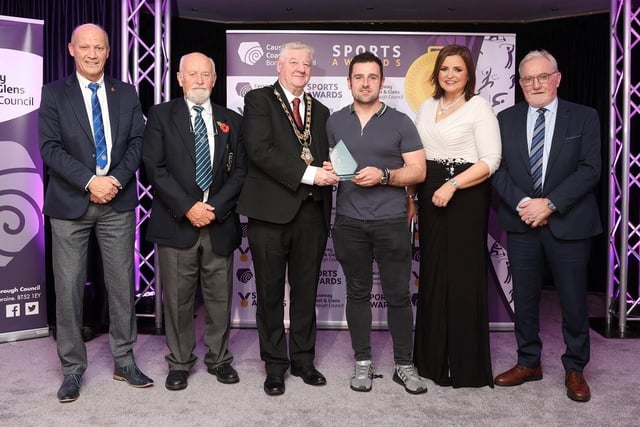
535	154
204	176
98	127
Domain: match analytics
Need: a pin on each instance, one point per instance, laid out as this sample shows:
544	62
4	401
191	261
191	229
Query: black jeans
357	243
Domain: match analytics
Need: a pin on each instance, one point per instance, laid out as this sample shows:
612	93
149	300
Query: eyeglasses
542	78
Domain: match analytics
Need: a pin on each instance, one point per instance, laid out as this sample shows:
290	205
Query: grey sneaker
407	375
362	379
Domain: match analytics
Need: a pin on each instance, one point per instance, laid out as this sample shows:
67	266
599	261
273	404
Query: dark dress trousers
170	163
572	173
288	225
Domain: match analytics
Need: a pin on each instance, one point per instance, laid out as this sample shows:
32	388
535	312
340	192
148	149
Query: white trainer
362	379
407	375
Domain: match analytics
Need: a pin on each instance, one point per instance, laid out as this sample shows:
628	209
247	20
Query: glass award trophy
344	165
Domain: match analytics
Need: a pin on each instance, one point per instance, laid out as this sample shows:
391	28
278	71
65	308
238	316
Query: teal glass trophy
344	165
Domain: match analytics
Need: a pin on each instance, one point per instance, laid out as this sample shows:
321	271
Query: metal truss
624	167
146	65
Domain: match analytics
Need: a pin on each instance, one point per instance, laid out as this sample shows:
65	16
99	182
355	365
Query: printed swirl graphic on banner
250	52
21	192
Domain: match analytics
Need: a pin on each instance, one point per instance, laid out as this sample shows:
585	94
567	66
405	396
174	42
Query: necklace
304	137
443	108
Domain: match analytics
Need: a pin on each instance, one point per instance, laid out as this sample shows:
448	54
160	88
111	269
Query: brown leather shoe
577	387
518	375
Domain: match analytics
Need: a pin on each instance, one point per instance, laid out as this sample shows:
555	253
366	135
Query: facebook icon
13	310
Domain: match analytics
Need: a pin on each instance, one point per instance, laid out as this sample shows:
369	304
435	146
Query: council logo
244	275
242	88
250	52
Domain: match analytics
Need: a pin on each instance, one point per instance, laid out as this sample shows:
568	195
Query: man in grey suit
90	130
550	167
196	163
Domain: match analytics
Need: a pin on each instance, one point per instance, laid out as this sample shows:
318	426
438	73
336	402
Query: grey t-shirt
381	143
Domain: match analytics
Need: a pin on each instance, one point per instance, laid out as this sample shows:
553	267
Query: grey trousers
115	233
181	270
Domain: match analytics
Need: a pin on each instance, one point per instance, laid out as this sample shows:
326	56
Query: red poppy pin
224	127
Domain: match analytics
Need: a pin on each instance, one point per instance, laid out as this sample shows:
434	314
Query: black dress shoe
69	391
309	375
133	376
176	380
274	385
225	373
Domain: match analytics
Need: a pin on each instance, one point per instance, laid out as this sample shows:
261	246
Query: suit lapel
521	131
74	94
114	107
182	121
316	149
559	132
221	140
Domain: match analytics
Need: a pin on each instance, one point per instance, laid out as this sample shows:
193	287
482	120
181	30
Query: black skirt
451	344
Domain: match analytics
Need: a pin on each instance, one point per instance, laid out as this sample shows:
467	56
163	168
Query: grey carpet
31	376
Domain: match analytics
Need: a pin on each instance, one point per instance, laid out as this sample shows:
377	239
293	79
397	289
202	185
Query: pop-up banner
22	266
408	60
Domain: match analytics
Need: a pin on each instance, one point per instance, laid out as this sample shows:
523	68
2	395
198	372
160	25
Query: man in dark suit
90	130
196	164
287	198
550	167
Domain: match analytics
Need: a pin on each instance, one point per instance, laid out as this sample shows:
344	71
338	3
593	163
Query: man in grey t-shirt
373	211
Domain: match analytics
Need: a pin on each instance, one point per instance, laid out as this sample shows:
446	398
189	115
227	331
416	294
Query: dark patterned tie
296	112
98	127
204	177
535	154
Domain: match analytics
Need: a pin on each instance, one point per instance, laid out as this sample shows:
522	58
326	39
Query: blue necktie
98	127
204	177
535	154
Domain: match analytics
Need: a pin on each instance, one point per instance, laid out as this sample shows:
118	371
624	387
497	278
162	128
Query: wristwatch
385	177
551	206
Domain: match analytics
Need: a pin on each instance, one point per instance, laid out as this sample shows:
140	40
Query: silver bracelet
453	183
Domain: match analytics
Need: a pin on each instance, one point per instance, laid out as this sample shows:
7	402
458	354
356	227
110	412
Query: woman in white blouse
461	138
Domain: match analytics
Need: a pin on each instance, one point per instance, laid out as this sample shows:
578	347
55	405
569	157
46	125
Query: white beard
198	95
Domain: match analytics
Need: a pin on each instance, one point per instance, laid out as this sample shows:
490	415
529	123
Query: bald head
92	27
89	47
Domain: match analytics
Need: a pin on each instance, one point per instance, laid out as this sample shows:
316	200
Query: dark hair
463	52
365	57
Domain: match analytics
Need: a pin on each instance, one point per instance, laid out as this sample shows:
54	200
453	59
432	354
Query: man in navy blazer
196	229
552	224
85	195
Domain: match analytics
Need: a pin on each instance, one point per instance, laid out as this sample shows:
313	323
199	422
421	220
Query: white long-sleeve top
470	133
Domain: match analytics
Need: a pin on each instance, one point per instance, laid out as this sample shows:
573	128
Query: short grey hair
295	45
213	64
538	54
